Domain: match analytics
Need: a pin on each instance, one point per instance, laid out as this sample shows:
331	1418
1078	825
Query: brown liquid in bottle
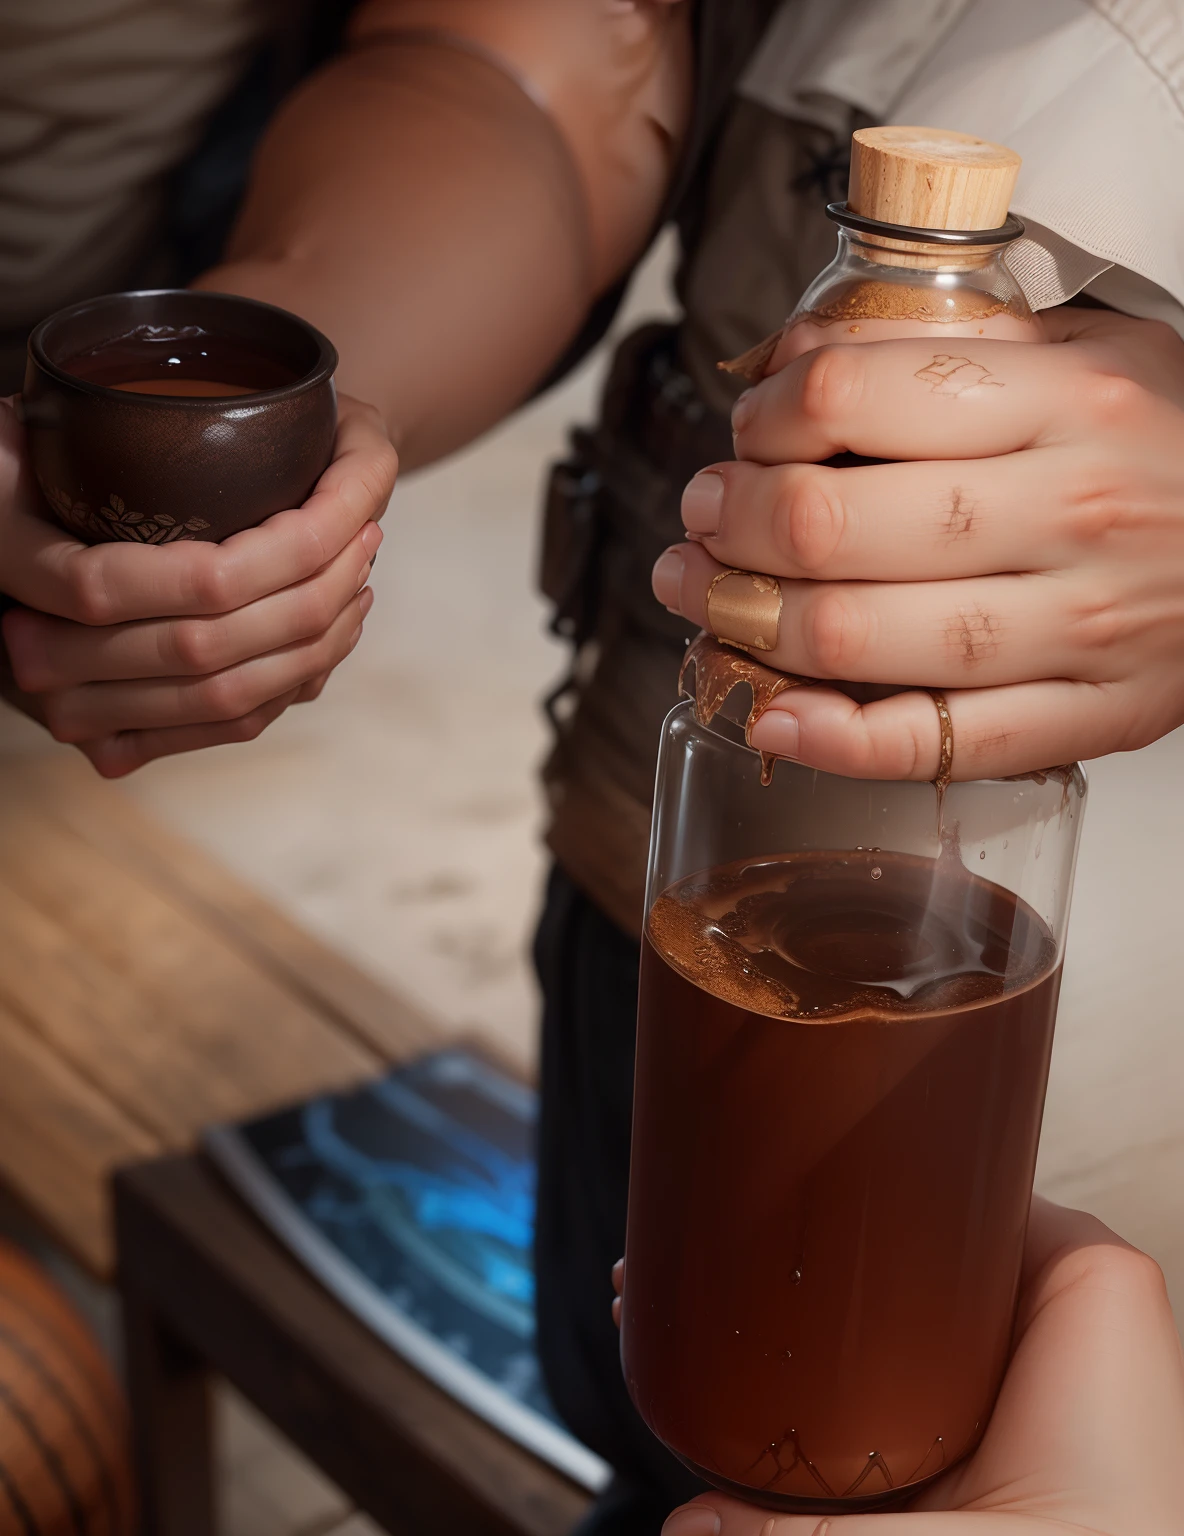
840	1078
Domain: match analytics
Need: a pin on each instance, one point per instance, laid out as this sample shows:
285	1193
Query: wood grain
233	1039
60	1137
930	178
146	993
109	822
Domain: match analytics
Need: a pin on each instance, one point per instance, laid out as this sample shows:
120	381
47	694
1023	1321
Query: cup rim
322	370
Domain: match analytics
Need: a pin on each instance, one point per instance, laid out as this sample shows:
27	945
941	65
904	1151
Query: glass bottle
848	991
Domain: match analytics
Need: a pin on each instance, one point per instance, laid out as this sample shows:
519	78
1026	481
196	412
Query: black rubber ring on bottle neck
842	215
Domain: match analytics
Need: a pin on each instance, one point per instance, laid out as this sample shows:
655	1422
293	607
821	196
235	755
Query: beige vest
1090	94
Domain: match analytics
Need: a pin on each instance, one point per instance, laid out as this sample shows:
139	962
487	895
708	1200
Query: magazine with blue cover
412	1199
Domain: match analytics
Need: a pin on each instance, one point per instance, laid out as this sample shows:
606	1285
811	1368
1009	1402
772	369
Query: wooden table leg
172	1442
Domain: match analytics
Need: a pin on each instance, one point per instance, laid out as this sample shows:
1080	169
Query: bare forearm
417	206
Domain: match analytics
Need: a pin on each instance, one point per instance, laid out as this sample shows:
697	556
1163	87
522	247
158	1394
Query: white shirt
1089	92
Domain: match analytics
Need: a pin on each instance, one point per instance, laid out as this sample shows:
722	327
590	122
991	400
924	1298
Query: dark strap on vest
725	34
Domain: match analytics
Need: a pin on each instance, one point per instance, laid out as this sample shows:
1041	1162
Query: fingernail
777	731
703	502
363	577
667	579
371	539
742	411
692	1520
366	601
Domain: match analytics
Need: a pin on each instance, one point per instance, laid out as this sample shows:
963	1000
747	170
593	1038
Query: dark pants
588	971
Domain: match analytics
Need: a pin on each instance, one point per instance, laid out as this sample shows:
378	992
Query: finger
44	568
997	731
921	399
979	632
313	689
99	709
889	522
714	1514
116	756
619	1276
1093	1400
1054	1230
48	654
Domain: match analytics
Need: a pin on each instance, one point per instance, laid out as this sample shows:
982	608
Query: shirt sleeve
1089	92
1091	95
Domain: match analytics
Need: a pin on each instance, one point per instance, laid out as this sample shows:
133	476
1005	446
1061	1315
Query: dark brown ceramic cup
152	468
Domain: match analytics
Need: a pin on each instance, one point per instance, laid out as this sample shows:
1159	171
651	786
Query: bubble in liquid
983	854
876	872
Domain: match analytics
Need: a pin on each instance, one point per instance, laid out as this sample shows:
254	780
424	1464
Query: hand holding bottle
1088	1431
1026	553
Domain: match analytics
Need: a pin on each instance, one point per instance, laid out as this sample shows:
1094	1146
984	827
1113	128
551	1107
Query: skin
1025	556
1054	635
449	234
1087	1437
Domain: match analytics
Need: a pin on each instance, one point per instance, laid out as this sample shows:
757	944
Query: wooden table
205	1288
146	993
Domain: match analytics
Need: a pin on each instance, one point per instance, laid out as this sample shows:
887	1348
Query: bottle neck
920	256
877	287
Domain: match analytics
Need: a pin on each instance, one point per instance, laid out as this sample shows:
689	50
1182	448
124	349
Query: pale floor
399	818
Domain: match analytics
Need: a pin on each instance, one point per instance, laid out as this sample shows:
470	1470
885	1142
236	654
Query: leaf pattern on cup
117	521
135	527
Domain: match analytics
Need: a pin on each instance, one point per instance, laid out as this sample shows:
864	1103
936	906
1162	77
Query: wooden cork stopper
930	178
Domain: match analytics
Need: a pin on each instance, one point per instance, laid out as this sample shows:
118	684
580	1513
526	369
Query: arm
449	225
420	205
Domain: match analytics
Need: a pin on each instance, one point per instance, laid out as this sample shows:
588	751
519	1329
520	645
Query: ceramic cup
152	468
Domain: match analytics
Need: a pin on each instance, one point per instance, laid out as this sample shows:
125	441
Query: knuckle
832	380
311	552
212	584
195	646
386	462
223	696
1101	625
972	636
809	520
1096	503
1163	337
248	727
1113	400
835	635
1130	1272
1132	723
317	609
377	476
88	595
60	721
